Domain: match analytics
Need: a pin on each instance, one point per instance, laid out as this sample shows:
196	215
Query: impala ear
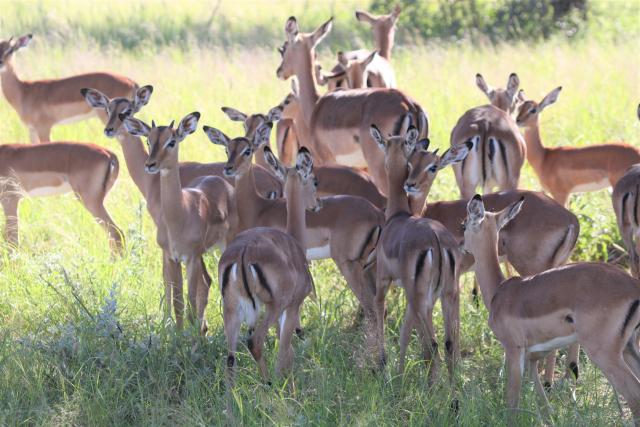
294	88
508	213
549	99
187	126
482	85
95	98
136	127
142	97
365	63
233	114
512	85
410	140
263	133
275	165
21	42
423	145
216	136
638	112
304	163
342	59
275	114
455	154
396	12
363	16
377	137
318	35
475	209
291	28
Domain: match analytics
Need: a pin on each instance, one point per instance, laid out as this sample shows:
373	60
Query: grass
82	341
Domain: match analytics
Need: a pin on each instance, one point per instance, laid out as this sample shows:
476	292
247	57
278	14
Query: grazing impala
348	74
338	122
503	99
198	216
332	180
87	170
42	104
419	253
499	151
346	229
593	304
266	266
135	155
566	170
556	236
626	204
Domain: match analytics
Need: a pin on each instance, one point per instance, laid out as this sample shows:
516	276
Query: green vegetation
82	340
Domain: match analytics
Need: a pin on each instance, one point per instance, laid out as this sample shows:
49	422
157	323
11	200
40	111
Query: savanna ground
82	337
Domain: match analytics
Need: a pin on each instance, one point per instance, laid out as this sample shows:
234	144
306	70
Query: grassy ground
82	340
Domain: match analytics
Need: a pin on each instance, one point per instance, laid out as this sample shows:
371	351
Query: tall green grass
82	340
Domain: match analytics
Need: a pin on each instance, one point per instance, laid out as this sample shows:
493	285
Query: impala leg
256	340
194	282
424	315
353	274
203	299
515	366
172	272
451	311
10	207
97	209
542	395
549	369
232	324
561	197
33	135
405	336
382	286
44	132
285	351
632	357
199	281
573	354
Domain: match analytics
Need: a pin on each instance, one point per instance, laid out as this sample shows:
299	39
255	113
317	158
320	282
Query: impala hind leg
382	287
355	278
549	369
632	356
405	337
10	207
256	340
424	317
232	322
451	311
542	395
288	325
97	209
44	132
172	274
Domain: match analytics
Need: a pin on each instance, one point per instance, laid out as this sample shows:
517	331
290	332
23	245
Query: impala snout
411	188
317	207
151	167
228	171
110	132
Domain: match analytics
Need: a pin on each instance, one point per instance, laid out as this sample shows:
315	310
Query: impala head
397	148
356	69
253	121
162	140
299	47
118	109
239	150
9	47
382	25
332	80
424	165
528	110
298	179
504	99
481	228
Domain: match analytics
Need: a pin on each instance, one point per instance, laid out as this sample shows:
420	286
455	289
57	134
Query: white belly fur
78	118
553	344
592	186
50	191
322	252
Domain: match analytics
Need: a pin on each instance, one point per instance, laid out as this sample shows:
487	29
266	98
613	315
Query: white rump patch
553	344
592	186
323	252
247	313
50	191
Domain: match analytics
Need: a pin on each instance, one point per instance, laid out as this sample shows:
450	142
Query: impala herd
357	193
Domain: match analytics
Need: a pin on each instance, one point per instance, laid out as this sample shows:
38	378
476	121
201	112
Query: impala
626	200
418	253
345	229
338	122
593	304
566	170
348	74
47	169
332	180
135	155
267	266
503	99
500	149
42	104
196	217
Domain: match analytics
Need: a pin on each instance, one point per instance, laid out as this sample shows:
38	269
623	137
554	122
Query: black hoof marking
547	386
250	343
455	406
300	333
231	361
574	368
449	346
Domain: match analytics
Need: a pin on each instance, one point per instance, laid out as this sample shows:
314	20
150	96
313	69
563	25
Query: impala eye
171	143
433	169
533	111
315	182
247	152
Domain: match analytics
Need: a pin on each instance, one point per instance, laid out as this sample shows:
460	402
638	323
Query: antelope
420	254
196	217
348	74
332	180
267	266
345	229
500	149
593	304
338	122
48	169
42	104
135	155
503	99
566	170
626	200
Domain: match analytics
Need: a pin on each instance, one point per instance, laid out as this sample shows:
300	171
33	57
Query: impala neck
397	201
293	192
384	43
308	92
535	149
247	200
171	198
12	86
487	268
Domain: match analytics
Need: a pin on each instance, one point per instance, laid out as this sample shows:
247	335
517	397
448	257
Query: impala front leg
515	368
381	291
172	273
10	207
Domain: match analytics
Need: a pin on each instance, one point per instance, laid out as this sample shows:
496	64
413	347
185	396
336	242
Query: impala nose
150	167
109	132
228	171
